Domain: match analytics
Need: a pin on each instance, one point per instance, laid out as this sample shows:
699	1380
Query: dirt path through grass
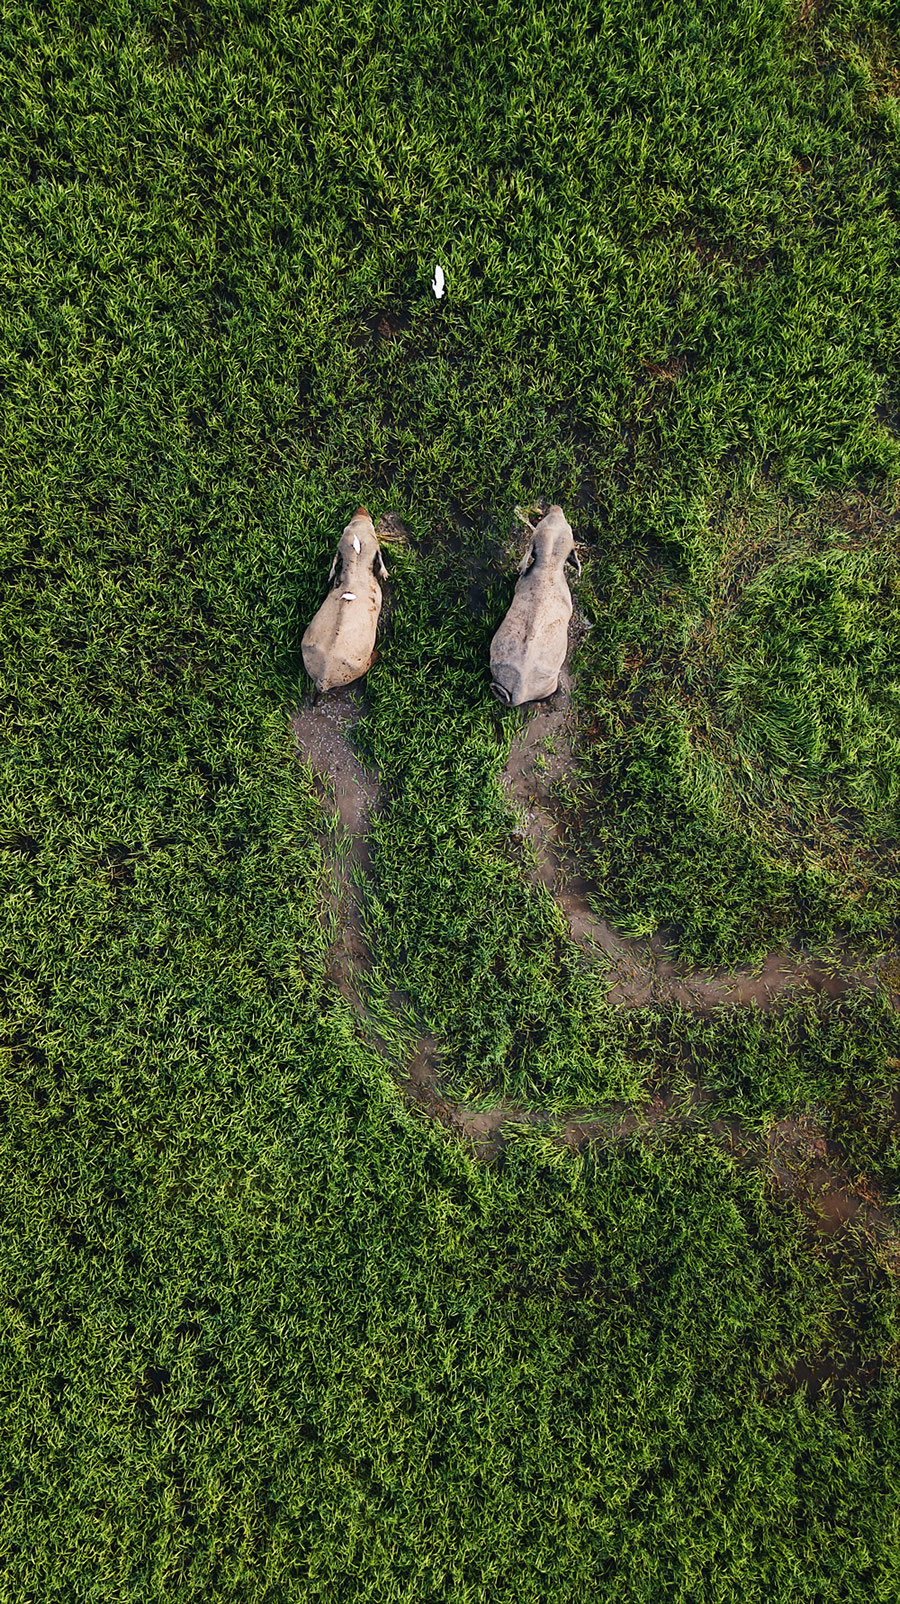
541	754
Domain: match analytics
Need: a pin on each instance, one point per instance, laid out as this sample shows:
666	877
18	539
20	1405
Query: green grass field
267	1332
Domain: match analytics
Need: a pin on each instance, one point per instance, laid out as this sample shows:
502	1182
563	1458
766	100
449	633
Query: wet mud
806	1165
323	729
390	528
487	1130
845	1216
836	1378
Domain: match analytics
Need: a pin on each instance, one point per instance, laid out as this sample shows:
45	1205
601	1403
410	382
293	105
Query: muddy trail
322	732
638	972
842	1212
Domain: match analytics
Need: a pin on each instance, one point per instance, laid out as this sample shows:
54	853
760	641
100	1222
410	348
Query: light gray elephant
339	645
529	648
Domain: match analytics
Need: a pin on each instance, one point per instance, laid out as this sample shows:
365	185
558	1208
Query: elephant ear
334	564
526	560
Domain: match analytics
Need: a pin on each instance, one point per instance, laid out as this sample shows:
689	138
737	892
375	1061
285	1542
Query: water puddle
805	1165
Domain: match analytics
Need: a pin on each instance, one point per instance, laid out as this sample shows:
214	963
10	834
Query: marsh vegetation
450	1152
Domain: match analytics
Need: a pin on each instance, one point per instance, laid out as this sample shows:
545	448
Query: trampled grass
266	1333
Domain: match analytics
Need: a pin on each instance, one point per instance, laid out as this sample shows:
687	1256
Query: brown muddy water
638	973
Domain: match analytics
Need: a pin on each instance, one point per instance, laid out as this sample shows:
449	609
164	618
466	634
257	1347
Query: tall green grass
265	1333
